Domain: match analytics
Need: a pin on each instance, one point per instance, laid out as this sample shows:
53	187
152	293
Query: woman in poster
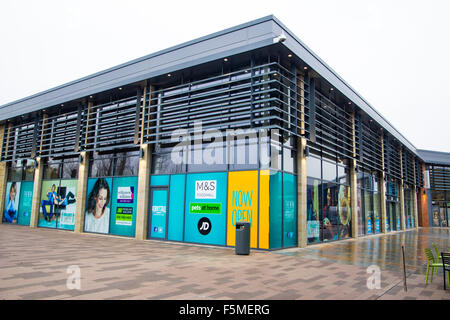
10	215
97	214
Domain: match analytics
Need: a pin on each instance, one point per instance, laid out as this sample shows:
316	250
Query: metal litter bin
242	245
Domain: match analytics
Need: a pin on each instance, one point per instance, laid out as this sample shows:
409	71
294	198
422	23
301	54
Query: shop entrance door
159	213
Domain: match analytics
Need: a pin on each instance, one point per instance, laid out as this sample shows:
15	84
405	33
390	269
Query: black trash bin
242	245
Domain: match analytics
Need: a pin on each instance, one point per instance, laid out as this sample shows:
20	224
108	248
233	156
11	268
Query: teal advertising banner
66	204
276	196
159	214
176	207
123	206
26	198
207	225
289	210
11	213
98	205
47	214
160	180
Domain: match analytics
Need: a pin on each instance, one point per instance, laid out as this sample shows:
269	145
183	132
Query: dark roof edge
435	157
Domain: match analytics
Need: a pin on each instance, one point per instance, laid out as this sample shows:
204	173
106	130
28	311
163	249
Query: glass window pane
343	175
313	167
329	171
330	219
313	198
344	212
360	213
126	165
29	171
15	174
101	167
52	171
288	160
275	155
377	211
70	170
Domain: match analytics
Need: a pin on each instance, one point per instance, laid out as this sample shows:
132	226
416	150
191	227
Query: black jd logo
204	226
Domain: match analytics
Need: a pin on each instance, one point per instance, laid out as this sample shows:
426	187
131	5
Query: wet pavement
382	250
34	264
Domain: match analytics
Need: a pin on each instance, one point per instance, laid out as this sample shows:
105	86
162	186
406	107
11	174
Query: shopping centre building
246	124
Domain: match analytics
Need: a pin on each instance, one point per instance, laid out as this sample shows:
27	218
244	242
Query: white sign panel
205	189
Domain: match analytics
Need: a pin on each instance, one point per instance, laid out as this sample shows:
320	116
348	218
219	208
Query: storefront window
127	164
313	167
52	170
15	173
328	200
70	169
370	202
329	171
101	167
330	219
314	199
29	171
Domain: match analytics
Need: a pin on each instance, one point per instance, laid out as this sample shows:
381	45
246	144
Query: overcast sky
395	53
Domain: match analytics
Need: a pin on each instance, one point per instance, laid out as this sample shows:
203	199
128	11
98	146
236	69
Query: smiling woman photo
97	214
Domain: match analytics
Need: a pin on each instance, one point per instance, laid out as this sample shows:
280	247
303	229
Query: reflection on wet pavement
383	250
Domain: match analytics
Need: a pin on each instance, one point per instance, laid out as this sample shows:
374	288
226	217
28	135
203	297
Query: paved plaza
34	265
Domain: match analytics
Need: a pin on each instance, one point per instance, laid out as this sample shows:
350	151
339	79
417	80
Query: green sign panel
205	208
124	216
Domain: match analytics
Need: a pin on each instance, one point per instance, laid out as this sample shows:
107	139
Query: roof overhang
435	157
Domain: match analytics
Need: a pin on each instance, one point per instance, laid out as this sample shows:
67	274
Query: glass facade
440	205
409	207
392	205
368	203
328	200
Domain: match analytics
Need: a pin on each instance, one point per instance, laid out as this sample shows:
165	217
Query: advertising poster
47	216
123	206
377	223
66	204
158	214
276	218
25	201
98	205
11	212
369	223
205	211
312	197
242	204
176	207
289	210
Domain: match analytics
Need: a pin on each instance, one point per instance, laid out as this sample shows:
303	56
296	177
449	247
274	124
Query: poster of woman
12	202
98	211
